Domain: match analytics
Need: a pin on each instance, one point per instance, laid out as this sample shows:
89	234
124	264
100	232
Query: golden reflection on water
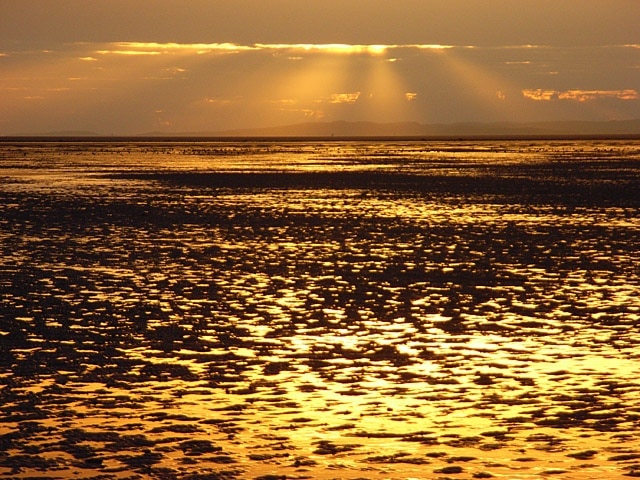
426	322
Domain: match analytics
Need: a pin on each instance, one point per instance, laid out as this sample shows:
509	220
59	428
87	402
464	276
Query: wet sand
395	311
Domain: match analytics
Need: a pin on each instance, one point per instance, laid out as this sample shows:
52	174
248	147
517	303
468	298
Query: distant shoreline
361	131
292	139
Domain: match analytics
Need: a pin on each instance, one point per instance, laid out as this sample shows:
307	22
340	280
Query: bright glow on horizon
128	87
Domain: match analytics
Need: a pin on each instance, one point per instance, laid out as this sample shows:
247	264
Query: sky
130	67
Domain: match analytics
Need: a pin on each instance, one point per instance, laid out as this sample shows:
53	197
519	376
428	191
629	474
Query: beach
323	309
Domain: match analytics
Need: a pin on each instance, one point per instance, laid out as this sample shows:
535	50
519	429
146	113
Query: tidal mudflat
274	310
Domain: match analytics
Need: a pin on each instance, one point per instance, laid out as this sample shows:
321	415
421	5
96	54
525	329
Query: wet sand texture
339	310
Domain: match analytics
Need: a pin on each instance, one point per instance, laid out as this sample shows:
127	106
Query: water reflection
408	310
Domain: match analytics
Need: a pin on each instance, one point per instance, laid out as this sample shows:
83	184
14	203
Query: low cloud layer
580	95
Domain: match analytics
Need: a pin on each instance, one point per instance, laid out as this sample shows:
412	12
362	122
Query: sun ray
481	86
313	82
386	93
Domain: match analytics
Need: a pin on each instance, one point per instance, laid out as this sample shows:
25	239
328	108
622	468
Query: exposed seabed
356	310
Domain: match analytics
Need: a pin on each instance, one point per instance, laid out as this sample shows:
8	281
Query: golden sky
127	67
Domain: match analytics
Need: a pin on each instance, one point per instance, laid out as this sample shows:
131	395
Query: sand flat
320	310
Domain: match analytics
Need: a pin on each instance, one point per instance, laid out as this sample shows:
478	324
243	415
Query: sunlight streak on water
367	309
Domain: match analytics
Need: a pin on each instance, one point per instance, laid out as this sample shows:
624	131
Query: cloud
349	49
334	48
579	95
290	106
172	48
155	48
314	108
539	94
222	102
344	97
127	52
283	103
586	95
308	112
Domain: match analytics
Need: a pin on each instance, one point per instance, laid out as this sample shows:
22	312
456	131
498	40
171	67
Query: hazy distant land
342	128
402	129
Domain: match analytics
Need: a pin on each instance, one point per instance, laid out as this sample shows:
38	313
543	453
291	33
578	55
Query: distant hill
401	129
356	129
415	129
62	133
